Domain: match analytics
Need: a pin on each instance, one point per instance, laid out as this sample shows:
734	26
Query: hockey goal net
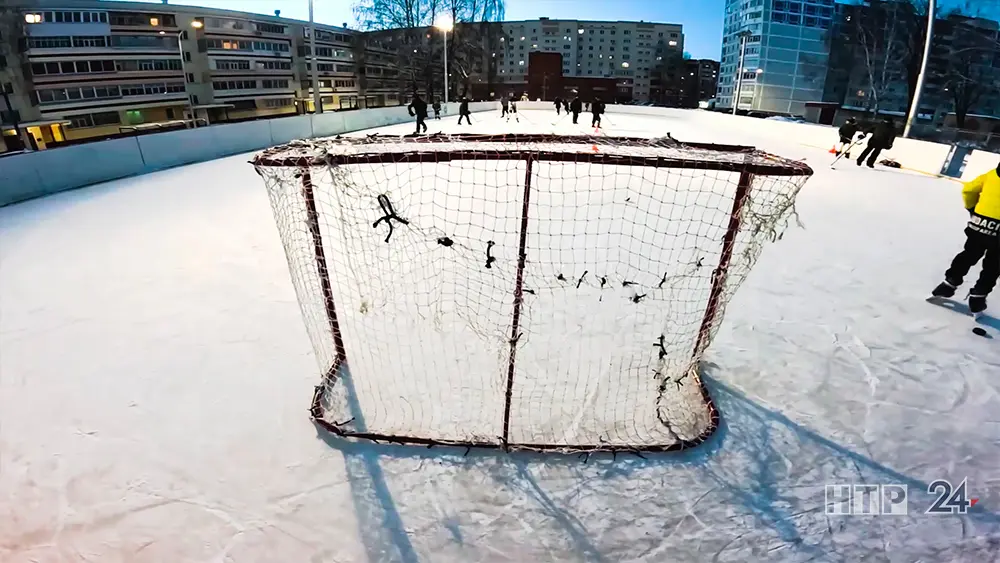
520	291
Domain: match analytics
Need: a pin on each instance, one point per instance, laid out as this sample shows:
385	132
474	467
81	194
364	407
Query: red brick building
545	81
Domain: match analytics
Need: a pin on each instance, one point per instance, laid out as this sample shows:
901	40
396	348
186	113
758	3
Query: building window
230	64
273	84
270	28
279	103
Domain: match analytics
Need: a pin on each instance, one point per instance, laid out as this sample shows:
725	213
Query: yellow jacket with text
982	195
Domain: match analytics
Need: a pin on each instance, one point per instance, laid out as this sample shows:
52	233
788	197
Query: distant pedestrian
463	111
418	109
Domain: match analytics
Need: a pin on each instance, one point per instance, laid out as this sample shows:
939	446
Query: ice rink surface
155	375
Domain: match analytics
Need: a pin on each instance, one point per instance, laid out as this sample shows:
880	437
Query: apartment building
699	81
628	52
785	58
87	68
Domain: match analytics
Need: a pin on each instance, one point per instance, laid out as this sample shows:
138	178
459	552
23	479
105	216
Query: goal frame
763	164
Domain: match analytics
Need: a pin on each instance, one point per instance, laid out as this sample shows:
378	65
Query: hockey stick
847	150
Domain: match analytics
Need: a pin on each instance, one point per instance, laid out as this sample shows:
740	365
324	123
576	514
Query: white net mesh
429	326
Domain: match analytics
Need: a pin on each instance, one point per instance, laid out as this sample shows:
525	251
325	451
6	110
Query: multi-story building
699	81
77	69
785	54
628	52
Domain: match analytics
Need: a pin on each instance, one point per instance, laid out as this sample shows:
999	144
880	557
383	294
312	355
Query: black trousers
576	115
596	122
503	111
874	151
558	109
420	123
977	246
467	118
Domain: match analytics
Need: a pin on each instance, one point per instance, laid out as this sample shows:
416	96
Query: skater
586	106
576	107
847	131
559	104
513	111
418	109
982	199
597	108
463	111
504	101
566	105
437	109
882	138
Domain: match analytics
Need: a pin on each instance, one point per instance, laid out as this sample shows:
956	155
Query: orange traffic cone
833	149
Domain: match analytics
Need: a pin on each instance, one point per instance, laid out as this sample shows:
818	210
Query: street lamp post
756	100
445	24
915	106
196	24
744	36
317	99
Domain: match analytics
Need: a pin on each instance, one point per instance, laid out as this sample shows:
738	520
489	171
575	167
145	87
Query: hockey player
513	111
558	104
418	109
463	111
566	105
576	107
503	105
597	108
847	132
437	109
882	137
982	199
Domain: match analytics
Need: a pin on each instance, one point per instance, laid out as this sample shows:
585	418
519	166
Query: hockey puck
979	331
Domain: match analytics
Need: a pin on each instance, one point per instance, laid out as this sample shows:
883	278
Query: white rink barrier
35	174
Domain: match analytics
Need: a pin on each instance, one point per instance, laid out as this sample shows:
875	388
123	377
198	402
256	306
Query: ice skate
977	304
944	289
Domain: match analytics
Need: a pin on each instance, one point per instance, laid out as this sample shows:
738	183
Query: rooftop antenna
277	13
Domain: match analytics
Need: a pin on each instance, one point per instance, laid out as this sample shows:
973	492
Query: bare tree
969	73
878	34
406	25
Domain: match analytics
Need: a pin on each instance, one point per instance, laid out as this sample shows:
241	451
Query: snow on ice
155	375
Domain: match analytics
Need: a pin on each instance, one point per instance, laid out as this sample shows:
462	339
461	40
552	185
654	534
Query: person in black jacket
566	105
882	138
847	132
558	104
597	108
437	109
418	109
463	111
576	107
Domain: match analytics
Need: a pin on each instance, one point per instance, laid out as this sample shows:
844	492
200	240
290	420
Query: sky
702	19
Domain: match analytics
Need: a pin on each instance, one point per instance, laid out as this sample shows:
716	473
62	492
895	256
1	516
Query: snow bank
40	173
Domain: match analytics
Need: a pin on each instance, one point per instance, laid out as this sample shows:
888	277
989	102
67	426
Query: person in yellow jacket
982	199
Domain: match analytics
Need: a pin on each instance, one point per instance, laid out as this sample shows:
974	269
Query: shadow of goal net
535	292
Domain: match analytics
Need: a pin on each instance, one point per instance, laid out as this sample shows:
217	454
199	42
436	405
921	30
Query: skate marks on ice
753	492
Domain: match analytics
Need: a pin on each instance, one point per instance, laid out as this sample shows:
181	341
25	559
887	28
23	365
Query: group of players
508	109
